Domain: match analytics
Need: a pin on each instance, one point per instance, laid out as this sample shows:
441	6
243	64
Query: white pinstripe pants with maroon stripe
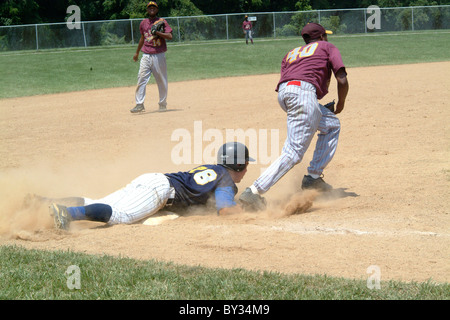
141	198
305	116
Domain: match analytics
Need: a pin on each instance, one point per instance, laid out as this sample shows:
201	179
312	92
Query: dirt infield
391	175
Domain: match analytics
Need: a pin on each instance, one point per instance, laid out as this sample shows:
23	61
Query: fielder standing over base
305	77
154	33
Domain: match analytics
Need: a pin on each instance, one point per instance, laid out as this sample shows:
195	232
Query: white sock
254	190
314	176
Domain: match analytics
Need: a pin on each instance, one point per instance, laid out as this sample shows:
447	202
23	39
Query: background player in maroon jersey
247	28
153	61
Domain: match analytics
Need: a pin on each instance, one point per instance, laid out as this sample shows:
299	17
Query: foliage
303	5
300	19
184	8
288	30
13	12
108	37
333	23
3	43
196	29
112	39
19	12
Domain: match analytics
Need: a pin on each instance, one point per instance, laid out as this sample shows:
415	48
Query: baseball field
383	233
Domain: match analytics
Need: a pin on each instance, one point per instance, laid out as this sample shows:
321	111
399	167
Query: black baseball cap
314	30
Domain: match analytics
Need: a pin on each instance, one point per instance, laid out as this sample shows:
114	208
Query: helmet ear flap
238	167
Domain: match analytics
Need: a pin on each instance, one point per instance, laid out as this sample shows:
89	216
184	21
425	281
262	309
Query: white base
160	217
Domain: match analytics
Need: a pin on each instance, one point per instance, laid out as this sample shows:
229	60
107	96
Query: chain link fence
225	27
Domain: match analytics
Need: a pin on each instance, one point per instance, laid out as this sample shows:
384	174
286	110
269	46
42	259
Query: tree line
17	12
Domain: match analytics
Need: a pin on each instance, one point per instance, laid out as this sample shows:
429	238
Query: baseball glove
157	26
251	202
330	106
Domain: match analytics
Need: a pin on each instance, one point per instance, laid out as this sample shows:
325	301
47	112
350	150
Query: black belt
169	202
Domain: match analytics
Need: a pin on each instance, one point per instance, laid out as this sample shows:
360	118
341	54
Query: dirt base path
391	174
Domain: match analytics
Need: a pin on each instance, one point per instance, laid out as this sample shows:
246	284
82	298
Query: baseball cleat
61	216
309	182
162	109
251	201
138	108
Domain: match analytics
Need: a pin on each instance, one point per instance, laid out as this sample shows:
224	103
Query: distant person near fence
247	28
154	33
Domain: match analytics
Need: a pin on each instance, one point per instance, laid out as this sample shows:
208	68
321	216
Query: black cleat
309	182
138	108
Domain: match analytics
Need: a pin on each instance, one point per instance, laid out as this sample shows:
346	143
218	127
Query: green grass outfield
31	274
35	274
52	71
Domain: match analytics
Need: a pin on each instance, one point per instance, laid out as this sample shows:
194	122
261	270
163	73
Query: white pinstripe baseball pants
141	198
305	116
152	64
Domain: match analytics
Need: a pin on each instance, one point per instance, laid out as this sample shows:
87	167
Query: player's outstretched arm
230	210
342	88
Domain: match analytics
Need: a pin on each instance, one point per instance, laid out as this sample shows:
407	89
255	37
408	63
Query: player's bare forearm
166	36
342	88
141	43
230	210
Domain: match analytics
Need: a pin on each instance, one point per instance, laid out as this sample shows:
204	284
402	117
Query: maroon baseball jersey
247	25
312	63
153	44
